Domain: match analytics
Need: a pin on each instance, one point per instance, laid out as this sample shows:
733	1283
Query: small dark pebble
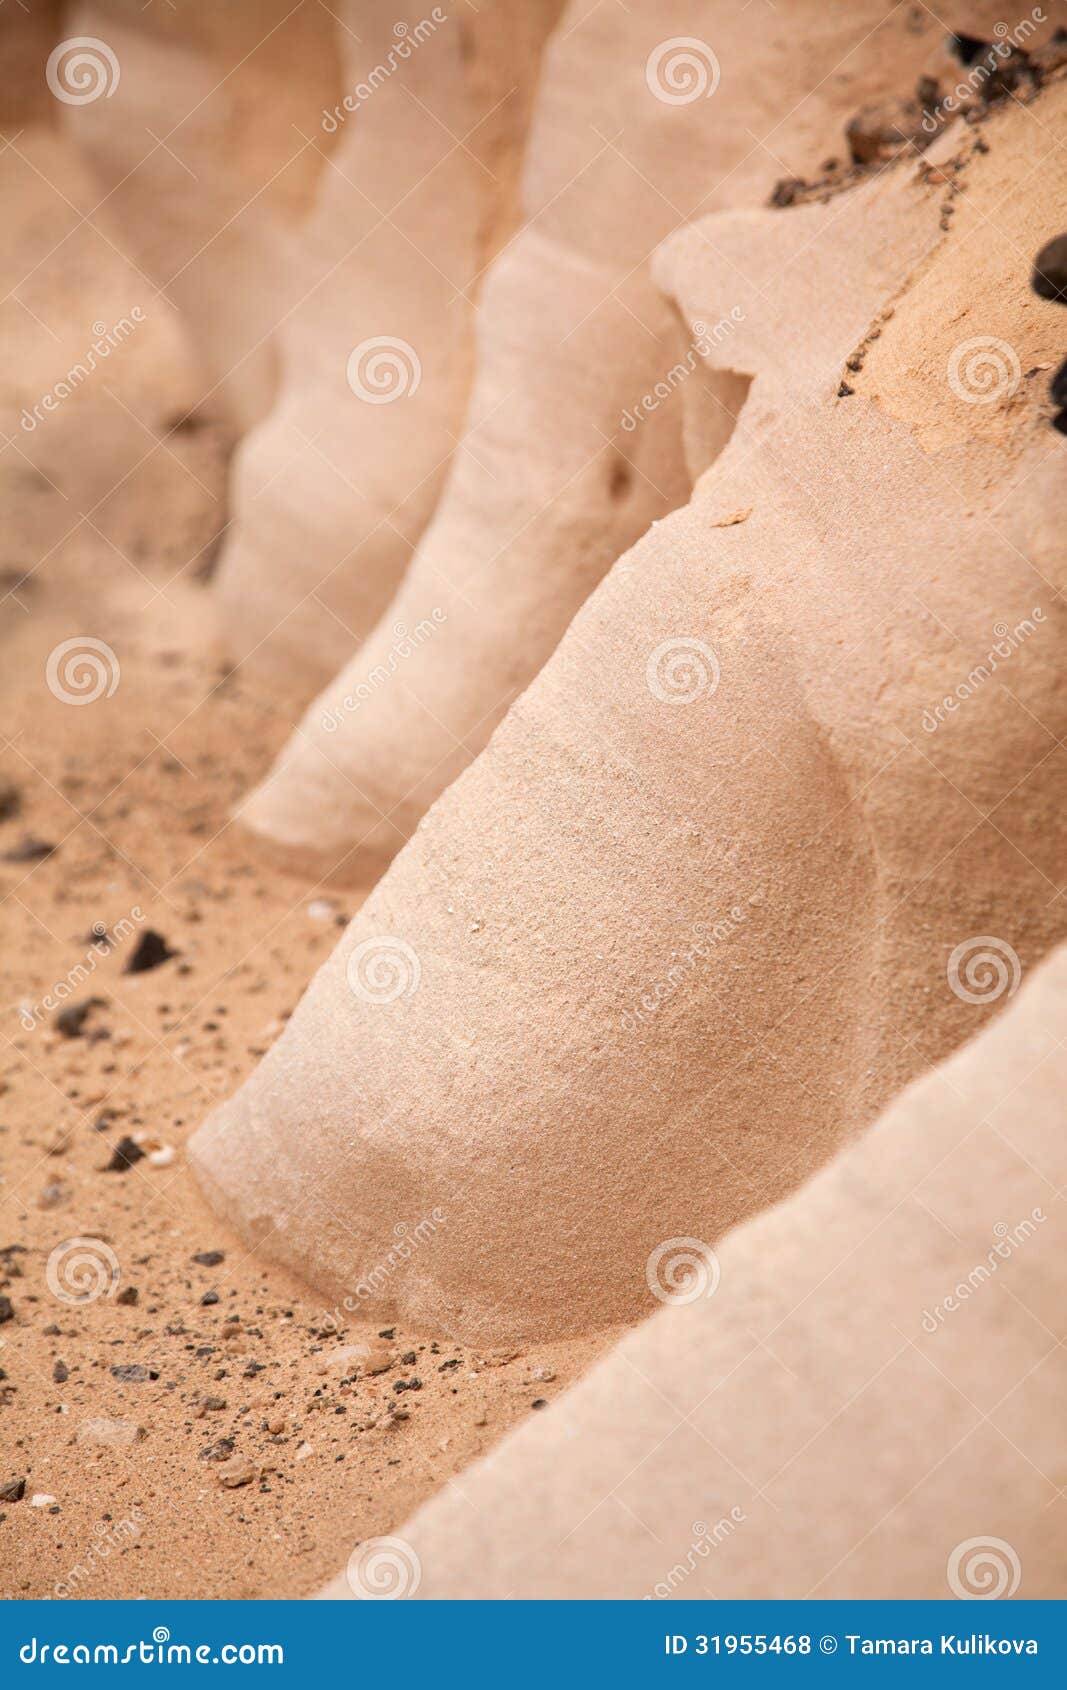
29	850
881	130
209	1299
10	801
152	950
7	1311
844	391
61	1373
210	1258
786	191
13	1491
128	1297
71	1021
1049	279
220	1451
1004	74
967	48
130	1372
124	1154
387	1332
408	1360
927	91
539	1402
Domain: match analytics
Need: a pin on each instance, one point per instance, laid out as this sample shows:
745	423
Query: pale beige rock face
333	490
553	482
868	1403
690	920
204	151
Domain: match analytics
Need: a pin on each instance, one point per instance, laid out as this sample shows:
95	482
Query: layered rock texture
319	192
645	120
418	191
886	1342
725	876
200	124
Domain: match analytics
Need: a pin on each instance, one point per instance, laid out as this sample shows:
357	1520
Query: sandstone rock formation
332	491
647	118
320	192
860	1397
724	878
200	125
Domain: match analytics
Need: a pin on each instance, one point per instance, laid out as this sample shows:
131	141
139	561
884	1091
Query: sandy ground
112	507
